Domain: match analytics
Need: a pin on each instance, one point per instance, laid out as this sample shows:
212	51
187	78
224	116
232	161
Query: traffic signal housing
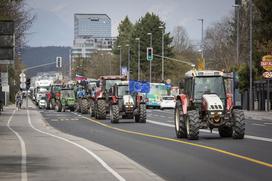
149	53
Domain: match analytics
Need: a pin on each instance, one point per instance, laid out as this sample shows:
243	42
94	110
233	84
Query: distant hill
32	56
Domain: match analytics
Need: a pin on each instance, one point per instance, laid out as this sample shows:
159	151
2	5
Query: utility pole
250	56
162	45
127	45
237	11
139	54
150	62
120	68
202	42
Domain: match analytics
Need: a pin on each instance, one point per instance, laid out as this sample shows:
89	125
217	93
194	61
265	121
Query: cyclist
19	100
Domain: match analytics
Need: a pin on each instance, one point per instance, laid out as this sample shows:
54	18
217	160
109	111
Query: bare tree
219	46
181	41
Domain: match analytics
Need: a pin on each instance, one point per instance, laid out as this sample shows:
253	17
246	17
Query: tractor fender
229	102
114	100
184	102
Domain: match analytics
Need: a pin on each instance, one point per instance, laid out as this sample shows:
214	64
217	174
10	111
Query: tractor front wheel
114	113
192	125
238	124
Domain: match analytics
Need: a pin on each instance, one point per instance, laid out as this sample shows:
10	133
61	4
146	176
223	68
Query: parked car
167	102
42	102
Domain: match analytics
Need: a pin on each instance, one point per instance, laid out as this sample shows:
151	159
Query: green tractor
66	101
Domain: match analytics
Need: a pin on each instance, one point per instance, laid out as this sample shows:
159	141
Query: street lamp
202	43
150	65
139	67
127	45
250	57
237	10
162	28
120	68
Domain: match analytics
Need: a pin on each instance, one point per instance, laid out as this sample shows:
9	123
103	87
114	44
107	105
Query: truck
205	103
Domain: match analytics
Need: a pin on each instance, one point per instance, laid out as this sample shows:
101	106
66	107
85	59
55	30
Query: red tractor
126	104
99	102
52	95
206	102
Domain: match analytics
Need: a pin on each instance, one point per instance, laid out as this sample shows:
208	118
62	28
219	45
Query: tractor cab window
110	83
188	86
123	90
209	85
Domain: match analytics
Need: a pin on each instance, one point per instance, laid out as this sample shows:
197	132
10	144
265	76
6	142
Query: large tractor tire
58	106
84	106
142	113
101	109
52	104
225	131
92	108
238	124
179	122
114	113
192	125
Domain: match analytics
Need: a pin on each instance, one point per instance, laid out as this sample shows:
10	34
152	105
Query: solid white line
23	150
102	162
255	124
268	123
216	132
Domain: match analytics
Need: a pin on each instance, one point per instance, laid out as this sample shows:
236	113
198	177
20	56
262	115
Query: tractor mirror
98	84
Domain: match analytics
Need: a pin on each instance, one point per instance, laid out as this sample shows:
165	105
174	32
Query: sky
54	23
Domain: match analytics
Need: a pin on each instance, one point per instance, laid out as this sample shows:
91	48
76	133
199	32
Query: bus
157	90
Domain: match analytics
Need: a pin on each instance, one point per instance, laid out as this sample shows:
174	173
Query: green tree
150	23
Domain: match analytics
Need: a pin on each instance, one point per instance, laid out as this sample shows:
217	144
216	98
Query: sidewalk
54	157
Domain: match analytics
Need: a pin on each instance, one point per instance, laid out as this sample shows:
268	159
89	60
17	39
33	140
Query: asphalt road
30	149
154	146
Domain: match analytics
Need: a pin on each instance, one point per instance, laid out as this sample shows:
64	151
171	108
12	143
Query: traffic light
58	62
149	53
28	83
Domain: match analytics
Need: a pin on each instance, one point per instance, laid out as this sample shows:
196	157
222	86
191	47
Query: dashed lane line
102	162
23	150
252	160
256	124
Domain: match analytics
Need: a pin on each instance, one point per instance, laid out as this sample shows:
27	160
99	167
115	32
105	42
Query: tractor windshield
68	93
110	83
207	85
123	90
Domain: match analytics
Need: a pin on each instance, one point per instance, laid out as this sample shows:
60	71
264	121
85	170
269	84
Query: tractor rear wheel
58	106
142	113
192	125
238	124
179	122
91	110
101	109
114	113
84	106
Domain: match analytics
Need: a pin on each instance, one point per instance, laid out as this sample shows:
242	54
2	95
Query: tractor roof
200	73
113	77
123	83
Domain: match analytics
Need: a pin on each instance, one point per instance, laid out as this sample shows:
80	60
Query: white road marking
255	124
216	132
268	123
170	117
102	162
23	150
162	116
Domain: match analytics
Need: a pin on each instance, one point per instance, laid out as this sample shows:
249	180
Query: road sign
149	53
266	62
22	79
23	85
22	74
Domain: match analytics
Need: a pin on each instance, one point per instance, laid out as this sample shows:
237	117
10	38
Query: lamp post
202	43
250	56
127	45
120	68
139	67
237	10
150	64
161	27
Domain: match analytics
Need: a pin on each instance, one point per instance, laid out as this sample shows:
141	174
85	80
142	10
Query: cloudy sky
54	18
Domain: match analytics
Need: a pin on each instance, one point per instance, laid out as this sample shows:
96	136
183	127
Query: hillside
32	56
